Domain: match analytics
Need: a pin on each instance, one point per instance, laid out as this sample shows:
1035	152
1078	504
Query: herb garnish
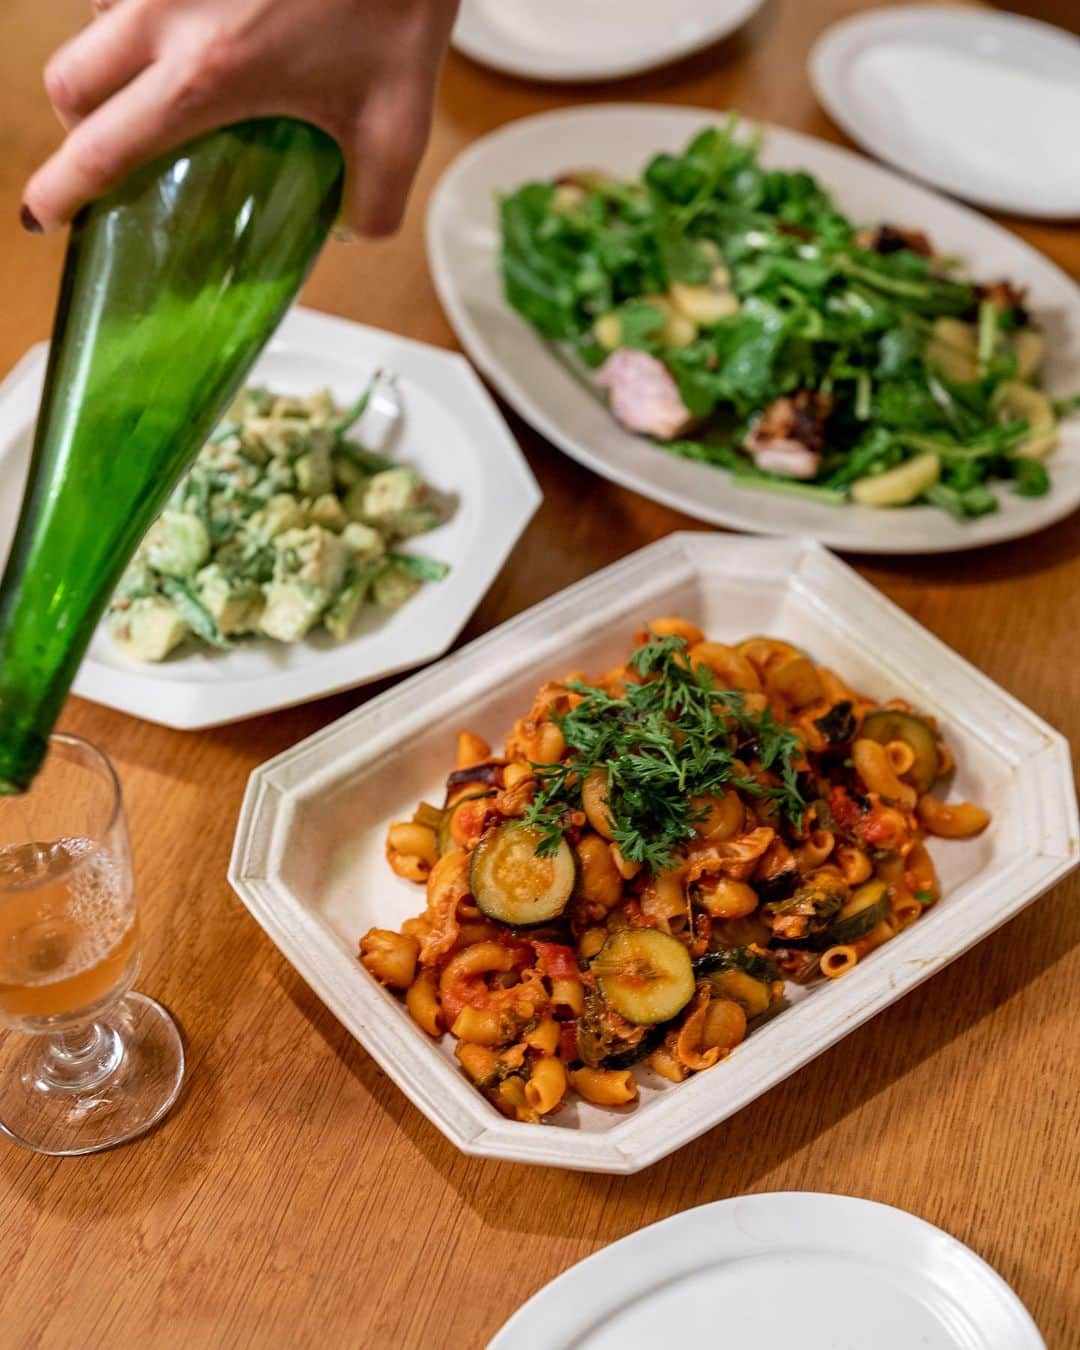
668	740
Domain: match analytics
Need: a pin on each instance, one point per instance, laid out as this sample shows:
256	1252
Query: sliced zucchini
887	725
513	884
837	727
1015	400
813	907
752	996
431	816
899	486
600	1046
445	833
861	915
646	976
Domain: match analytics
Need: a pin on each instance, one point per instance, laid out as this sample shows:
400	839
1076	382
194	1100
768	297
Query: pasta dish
655	854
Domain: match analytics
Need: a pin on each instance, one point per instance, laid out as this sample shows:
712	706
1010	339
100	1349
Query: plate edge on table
511	389
465	42
831	44
525	1328
270	902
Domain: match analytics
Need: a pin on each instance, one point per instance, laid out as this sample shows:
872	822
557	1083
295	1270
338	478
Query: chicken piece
789	436
644	396
886	239
1006	298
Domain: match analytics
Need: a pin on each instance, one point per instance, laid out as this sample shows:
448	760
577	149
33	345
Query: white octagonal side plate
451	432
309	862
575	40
555	395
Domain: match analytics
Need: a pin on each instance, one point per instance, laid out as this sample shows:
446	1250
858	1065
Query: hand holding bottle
148	75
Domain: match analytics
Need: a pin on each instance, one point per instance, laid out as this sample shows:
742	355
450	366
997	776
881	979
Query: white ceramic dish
980	103
576	40
309	856
860	1275
555	396
451	431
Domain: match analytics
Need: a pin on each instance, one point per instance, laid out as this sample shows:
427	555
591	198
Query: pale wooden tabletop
296	1198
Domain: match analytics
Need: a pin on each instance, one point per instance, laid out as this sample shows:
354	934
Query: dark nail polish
29	220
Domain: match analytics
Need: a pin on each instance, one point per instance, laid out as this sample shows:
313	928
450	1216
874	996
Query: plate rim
517	395
465	40
834	44
572	1285
187	705
280	786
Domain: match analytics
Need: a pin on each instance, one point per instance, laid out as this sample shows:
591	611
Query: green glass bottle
171	286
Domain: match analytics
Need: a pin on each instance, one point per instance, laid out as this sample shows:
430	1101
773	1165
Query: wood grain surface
295	1198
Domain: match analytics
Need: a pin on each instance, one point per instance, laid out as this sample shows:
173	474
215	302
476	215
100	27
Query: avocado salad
283	524
735	315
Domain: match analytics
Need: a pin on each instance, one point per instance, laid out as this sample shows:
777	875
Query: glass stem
80	1057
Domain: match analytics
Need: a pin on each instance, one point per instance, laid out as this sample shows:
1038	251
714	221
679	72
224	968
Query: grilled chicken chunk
789	436
644	396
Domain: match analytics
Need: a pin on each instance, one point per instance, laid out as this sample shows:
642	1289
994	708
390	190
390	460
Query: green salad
283	524
738	317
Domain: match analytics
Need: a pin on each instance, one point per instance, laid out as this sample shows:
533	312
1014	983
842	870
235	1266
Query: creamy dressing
976	115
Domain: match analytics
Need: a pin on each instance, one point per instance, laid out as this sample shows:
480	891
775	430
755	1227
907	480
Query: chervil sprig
665	743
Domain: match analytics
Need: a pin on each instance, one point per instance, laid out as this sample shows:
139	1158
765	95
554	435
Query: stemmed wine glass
95	1064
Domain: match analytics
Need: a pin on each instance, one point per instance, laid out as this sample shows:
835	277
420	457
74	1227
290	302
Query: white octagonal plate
451	432
555	393
309	860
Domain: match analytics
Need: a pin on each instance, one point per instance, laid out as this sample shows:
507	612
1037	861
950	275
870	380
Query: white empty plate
982	104
553	393
568	40
826	1272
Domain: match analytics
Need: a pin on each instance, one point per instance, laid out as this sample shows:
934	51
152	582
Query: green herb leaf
668	740
423	569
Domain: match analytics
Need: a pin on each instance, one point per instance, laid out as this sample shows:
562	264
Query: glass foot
97	1087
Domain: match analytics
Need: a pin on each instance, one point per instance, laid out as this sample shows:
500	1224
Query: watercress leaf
1030	478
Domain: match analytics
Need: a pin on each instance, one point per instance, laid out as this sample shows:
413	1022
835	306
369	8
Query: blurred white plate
554	395
310	854
450	431
839	1273
983	104
571	40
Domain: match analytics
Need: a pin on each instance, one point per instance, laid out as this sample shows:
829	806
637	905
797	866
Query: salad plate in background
574	40
454	445
973	488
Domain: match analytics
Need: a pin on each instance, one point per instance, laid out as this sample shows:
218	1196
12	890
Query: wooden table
296	1198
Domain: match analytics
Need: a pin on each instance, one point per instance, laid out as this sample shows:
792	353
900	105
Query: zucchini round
513	884
646	976
753	996
887	725
445	834
600	1048
860	916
